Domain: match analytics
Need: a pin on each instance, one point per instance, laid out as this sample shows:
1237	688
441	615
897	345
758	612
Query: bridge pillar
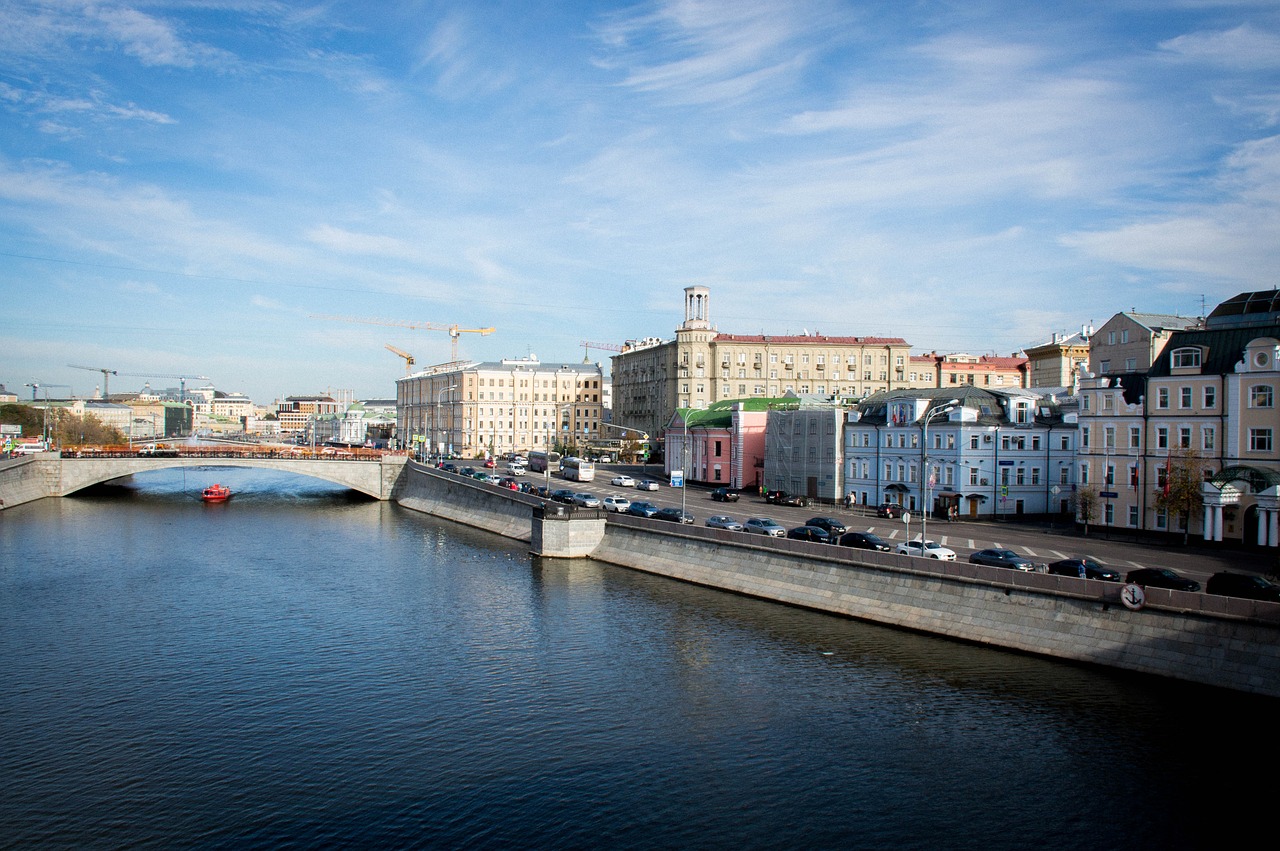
558	531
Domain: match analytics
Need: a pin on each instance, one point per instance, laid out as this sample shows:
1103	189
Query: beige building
1059	362
652	378
468	408
1208	400
1131	342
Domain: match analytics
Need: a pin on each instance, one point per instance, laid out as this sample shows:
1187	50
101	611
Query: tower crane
454	330
408	358
105	372
182	378
604	347
36	385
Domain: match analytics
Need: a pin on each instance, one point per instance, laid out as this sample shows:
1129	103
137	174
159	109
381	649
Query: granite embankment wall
28	478
1203	638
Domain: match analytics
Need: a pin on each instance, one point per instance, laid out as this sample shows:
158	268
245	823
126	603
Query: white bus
541	462
577	469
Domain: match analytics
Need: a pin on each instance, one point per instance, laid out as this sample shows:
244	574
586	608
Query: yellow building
469	408
652	378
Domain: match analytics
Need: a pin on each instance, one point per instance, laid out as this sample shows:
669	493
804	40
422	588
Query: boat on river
216	493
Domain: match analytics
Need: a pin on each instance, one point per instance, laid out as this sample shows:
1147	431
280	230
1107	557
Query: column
1273	528
1264	526
1217	522
1208	522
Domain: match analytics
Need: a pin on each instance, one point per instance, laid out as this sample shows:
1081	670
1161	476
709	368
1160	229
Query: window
1186	358
1106	366
1084	437
1109	437
1111	474
1135	437
1130	364
1184	397
1259	440
1124	336
973	475
1208	437
1084	474
1211	397
1109	514
1133	516
1162	397
1184	437
1162	437
1064	475
1261	396
973	441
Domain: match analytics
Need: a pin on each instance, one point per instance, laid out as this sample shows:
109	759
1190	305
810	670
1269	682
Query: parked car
1002	558
563	495
889	509
586	500
1243	585
724	495
833	526
809	533
926	549
490	464
616	503
720	521
541	491
623	482
642	509
784	498
675	515
1161	577
864	541
764	526
1083	567
646	485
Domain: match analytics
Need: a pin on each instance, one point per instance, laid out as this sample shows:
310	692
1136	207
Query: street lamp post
924	470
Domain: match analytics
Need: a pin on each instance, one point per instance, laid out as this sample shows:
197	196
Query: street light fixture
924	468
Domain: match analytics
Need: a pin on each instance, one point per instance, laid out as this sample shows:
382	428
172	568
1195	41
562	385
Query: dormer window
1188	358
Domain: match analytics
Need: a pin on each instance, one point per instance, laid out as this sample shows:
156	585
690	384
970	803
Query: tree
1086	504
72	430
1179	495
29	417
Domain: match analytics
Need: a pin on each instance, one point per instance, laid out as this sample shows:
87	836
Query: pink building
722	444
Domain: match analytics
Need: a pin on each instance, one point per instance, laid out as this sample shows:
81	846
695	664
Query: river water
300	667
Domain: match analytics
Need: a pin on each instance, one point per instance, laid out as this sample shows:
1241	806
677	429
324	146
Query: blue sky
183	185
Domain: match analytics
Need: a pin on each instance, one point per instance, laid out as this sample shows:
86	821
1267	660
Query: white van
30	448
515	470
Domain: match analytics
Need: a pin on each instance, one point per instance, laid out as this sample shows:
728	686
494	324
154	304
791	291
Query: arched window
1186	358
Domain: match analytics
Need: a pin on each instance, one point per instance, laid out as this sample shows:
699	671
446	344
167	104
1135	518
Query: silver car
586	500
721	521
765	526
616	503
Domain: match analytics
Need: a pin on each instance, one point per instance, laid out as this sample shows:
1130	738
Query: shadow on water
248	485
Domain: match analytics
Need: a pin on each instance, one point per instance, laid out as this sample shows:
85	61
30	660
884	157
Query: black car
542	491
784	498
1243	585
1161	577
675	515
563	495
864	541
833	526
724	495
1083	567
810	533
889	509
1002	558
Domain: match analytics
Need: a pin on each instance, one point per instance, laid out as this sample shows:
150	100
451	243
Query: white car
616	503
930	549
647	485
623	482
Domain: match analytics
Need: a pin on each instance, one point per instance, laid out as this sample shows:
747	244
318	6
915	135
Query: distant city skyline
183	186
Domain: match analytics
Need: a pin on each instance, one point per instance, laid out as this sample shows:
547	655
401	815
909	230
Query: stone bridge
48	474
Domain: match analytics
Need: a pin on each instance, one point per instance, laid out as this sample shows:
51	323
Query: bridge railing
283	453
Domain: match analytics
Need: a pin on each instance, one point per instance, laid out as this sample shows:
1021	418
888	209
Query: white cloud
1244	48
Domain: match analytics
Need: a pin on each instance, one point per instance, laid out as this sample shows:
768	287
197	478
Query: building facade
804	449
1060	362
971	451
958	369
653	377
723	444
1131	342
1206	406
470	408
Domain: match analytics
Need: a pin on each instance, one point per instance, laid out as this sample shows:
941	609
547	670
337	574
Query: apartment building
957	369
1131	342
653	377
1208	402
975	452
472	408
1060	361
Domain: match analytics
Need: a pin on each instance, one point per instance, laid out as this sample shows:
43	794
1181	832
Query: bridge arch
377	478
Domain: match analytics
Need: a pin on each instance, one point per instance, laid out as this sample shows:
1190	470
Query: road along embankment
1203	638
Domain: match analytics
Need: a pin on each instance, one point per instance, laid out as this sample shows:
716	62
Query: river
301	667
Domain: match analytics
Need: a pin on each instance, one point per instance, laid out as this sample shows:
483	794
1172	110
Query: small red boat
216	493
